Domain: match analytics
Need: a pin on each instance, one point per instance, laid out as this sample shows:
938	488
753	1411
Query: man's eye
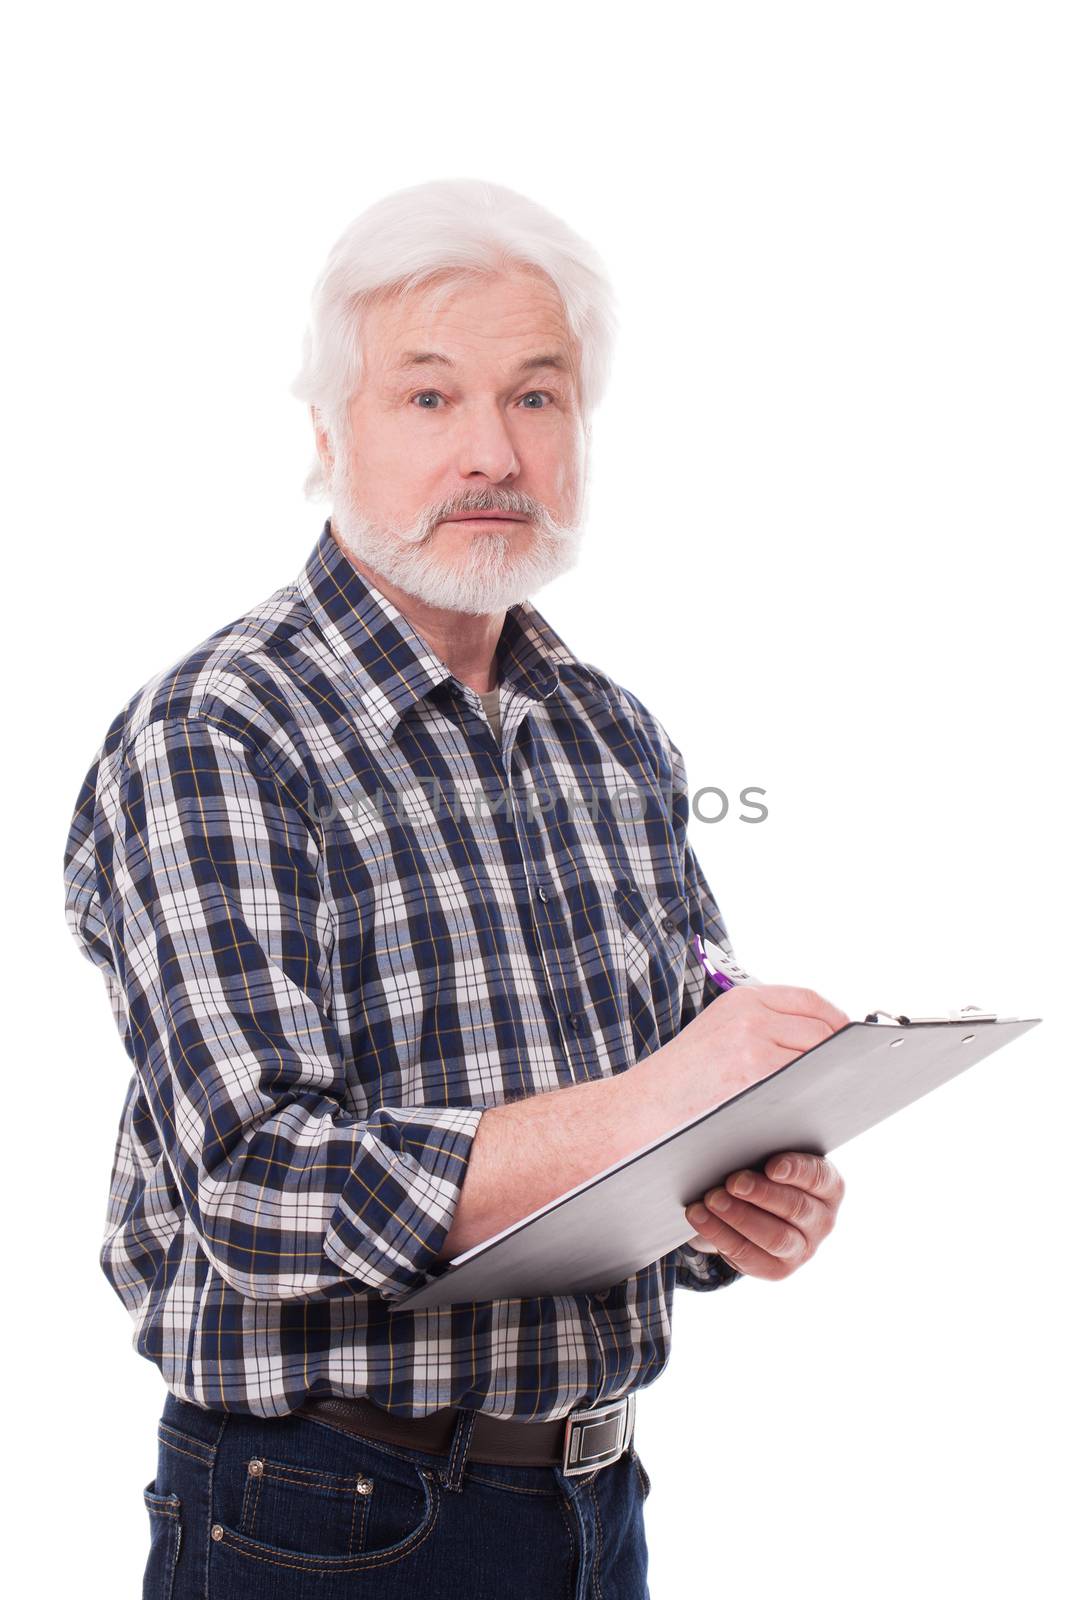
433	394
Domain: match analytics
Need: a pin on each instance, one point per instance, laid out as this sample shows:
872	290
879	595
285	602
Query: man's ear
322	442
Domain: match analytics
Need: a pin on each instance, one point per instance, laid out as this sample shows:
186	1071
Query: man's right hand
751	1031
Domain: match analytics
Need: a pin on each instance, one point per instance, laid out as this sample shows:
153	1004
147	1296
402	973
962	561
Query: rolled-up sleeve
695	1270
222	934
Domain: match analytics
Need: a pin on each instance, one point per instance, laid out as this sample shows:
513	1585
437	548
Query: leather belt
579	1442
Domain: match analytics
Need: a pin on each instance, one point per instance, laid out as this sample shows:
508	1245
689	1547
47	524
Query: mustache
506	500
513	504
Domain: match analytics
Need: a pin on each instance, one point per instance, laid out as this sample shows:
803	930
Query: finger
813	1217
806	1171
797	1034
706	1248
741	1253
802	1003
771	1233
774	1056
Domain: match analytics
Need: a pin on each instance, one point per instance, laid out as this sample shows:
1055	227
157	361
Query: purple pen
725	971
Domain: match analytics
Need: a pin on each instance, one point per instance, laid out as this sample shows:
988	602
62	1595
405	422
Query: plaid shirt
336	922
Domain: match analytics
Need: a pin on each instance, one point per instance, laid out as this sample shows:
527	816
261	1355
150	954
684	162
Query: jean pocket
164	1520
642	1477
312	1511
300	1517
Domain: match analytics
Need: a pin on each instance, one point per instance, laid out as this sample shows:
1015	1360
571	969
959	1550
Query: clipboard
610	1226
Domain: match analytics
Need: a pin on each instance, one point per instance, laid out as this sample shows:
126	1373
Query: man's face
481	429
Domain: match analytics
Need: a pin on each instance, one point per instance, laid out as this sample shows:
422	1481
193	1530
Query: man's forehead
404	338
411	360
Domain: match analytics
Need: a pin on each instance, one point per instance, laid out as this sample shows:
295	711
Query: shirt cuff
397	1205
702	1271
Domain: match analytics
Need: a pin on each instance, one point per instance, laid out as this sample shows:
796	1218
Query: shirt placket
547	910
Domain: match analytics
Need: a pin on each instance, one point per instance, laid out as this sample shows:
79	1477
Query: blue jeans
288	1508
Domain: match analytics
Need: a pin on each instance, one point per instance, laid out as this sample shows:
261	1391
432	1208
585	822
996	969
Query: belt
579	1442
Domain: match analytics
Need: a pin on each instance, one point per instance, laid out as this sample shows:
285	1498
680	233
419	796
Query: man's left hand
774	1221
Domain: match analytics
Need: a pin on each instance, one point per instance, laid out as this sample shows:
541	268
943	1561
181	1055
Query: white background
826	523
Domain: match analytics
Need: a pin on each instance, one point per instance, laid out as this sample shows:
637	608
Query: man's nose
486	447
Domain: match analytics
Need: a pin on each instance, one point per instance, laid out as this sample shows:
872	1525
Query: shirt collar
392	663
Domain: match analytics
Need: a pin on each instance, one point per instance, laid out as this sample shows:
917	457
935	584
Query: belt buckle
597	1437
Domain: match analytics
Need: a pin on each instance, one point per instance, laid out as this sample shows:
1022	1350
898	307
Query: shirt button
668	925
602	1295
575	1019
542	894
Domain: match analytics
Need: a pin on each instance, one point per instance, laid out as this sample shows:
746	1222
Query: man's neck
465	643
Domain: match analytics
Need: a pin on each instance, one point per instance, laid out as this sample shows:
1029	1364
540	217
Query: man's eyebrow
426	358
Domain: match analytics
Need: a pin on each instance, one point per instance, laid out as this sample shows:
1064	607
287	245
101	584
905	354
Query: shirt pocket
654	927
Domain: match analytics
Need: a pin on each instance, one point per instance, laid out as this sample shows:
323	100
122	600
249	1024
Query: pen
723	969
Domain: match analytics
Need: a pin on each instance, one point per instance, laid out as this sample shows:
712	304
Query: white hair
447	232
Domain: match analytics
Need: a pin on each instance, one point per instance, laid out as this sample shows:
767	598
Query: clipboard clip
964	1014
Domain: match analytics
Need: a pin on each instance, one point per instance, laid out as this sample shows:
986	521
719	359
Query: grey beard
490	577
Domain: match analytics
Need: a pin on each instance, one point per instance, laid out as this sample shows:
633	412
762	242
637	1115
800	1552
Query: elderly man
394	970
